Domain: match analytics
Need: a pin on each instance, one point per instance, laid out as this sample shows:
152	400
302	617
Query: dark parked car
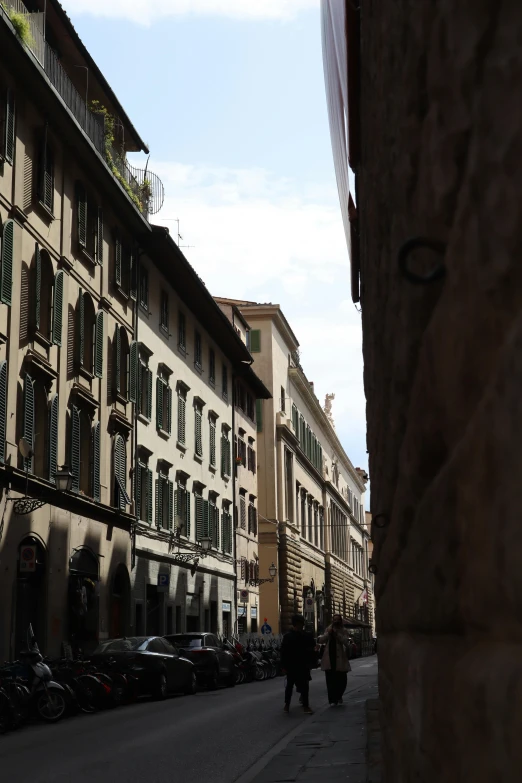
153	661
214	663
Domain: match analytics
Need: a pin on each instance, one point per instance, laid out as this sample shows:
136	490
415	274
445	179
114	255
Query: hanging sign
28	559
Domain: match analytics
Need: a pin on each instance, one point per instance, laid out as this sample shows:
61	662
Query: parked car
214	663
156	665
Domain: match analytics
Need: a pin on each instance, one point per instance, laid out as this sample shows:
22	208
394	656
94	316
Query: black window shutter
117	260
199	517
6	272
53	437
171	505
9	141
133	273
75	448
169	409
159	503
149	395
98	345
81	327
28	428
37	285
57	308
159	403
149	497
81	207
133	371
117	359
99	237
96	454
3	408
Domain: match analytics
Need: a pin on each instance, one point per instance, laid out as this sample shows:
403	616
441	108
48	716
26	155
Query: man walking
296	652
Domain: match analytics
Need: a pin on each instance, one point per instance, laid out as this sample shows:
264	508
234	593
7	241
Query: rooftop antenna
180	238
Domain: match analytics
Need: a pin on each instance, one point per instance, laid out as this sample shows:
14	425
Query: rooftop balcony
143	188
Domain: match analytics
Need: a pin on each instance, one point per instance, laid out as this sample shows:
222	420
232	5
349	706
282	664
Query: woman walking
335	663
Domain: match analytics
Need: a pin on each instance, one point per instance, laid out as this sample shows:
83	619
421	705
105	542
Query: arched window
6	262
48	297
121	498
90	336
40	427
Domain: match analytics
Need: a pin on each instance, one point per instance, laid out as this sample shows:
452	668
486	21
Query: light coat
342	649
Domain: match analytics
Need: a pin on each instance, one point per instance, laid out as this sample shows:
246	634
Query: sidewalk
338	743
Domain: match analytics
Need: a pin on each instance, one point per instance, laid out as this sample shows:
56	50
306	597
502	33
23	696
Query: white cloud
146	12
262	237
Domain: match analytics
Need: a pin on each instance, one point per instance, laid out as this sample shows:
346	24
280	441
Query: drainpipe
135	422
234	504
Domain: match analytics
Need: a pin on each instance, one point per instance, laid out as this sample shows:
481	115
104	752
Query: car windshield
121	645
186	641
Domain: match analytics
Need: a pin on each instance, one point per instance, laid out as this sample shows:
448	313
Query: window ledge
46	211
212	382
122	292
181	446
145	309
164	330
121	398
225	396
225	477
86	374
141	417
85	254
212	468
42	340
163	433
198	458
182	350
198	368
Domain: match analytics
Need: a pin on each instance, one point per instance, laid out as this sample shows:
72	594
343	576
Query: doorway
192	624
84	608
119	603
30	593
153	611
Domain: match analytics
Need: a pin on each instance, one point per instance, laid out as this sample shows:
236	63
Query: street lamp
64	479
272	571
205	543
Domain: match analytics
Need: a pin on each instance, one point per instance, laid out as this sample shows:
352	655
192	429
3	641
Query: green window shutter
98	345
198	434
99	237
200	513
133	275
207	519
81	328
169	409
37	285
9	141
75	448
149	395
215	527
223	455
96	455
223	531
57	308
187	513
181	418
159	403
138	491
28	428
259	415
53	437
255	340
3	408
6	273
117	360
159	503
228	452
149	497
117	261
212	442
81	207
133	371
171	504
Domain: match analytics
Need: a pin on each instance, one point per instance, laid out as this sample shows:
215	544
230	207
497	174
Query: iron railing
36	22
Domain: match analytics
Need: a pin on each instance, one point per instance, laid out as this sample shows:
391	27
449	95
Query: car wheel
192	684
232	679
160	690
212	680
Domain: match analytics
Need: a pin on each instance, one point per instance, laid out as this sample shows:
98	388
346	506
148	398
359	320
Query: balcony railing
36	39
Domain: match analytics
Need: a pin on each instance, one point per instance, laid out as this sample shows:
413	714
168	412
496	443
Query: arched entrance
119	608
83	600
31	593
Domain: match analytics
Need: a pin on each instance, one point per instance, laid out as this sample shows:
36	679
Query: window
295	419
124	267
226	529
143	492
224	378
182	332
144	388
198	431
164	502
316	524
9	127
144	287
164	312
213	520
121	363
251	456
240	396
321	527
252	517
121	499
212	440
45	181
283	399
241	450
303	513
7	259
182	508
255	340
89	225
310	525
242	511
198	351
182	407
84	453
163	404
226	466
250	407
90	336
48	297
212	367
259	415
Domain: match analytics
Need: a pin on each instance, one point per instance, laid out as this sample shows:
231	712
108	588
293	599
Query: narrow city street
214	736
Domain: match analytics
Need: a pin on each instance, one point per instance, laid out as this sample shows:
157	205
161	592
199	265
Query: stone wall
441	129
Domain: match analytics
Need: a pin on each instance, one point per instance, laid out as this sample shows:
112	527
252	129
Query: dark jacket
297	651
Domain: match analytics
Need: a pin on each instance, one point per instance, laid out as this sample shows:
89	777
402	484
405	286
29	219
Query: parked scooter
43	695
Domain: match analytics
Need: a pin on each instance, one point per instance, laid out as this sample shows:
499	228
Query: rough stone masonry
441	157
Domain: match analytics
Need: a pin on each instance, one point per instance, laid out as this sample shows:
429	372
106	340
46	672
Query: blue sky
229	95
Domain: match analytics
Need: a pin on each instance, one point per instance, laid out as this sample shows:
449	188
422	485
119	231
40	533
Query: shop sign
28	559
225	606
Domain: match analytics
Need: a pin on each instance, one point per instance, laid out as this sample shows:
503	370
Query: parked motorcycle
41	694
